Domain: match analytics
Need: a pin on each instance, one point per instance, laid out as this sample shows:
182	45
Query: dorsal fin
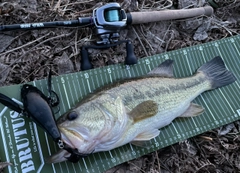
165	69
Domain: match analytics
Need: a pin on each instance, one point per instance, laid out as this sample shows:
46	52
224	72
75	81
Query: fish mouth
66	140
70	137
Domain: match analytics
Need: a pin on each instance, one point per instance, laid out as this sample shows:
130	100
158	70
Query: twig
35	71
32	49
137	167
75	3
57	5
91	9
205	165
52	38
206	138
140	41
158	162
145	38
27	44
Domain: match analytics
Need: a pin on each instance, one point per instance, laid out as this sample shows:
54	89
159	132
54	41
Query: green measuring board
26	145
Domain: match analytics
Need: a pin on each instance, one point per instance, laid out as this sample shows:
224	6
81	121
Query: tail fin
217	72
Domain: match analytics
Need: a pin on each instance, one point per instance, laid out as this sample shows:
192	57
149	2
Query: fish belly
161	119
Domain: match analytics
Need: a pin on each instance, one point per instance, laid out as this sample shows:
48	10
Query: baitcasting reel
108	20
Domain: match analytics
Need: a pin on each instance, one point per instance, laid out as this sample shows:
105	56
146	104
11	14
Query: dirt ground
28	55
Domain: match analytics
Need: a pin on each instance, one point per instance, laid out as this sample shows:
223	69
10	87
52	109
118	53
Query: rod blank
30	26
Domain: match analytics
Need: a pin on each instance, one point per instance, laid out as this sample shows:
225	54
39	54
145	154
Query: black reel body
108	20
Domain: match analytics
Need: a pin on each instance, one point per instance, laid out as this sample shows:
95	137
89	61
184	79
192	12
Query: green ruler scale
26	145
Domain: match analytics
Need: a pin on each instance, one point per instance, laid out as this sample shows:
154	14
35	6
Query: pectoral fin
140	143
3	165
60	156
193	110
144	110
147	135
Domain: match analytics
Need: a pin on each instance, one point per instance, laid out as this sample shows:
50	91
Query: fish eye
72	116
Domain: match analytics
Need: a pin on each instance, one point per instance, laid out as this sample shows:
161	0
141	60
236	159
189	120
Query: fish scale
159	90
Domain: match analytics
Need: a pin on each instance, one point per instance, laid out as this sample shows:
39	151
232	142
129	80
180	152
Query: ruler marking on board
132	71
74	87
207	107
200	121
91	82
101	160
114	73
101	79
182	129
140	67
117	152
233	42
192	118
128	70
65	91
60	95
186	57
86	75
226	100
231	52
70	89
97	79
217	46
189	66
162	133
175	129
95	161
85	165
205	118
137	70
168	135
74	168
79	86
131	147
110	154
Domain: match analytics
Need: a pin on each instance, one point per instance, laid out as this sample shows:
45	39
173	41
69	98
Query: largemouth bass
134	110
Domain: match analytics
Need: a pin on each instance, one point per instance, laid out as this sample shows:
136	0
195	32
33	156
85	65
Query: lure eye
72	116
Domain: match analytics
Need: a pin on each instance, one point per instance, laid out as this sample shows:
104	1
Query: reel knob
130	58
85	63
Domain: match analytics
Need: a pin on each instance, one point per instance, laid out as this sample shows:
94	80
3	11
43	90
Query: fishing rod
108	20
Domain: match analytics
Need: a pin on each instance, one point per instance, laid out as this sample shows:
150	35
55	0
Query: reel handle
131	57
85	62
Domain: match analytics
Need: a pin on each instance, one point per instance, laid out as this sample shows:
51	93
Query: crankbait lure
39	107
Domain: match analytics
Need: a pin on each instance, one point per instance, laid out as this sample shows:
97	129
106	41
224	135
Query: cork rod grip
155	16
